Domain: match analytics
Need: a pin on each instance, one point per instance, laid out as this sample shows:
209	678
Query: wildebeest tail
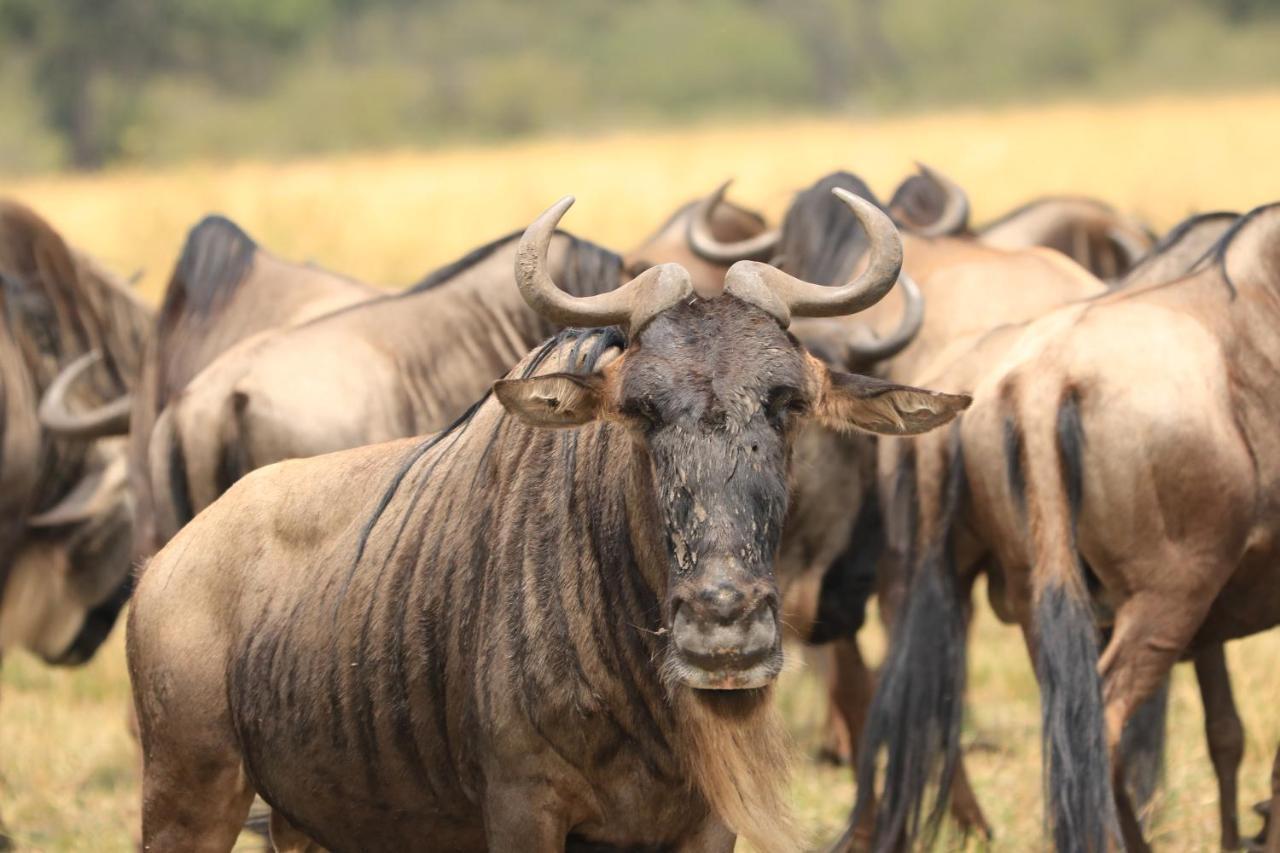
915	715
166	464
1079	802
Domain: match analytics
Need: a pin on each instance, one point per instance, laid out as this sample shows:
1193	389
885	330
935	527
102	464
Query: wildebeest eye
643	410
784	400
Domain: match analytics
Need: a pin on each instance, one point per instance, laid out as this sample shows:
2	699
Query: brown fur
740	756
400	366
223	289
1172	383
967	364
60	587
540	562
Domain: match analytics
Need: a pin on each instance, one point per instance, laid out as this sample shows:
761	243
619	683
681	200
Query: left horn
785	296
108	419
89	497
705	245
632	305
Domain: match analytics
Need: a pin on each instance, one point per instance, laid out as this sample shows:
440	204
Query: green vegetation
88	82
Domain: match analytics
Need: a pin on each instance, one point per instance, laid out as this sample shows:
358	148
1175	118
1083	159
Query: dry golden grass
391	217
67	774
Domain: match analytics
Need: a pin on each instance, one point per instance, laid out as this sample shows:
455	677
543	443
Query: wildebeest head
712	389
71	575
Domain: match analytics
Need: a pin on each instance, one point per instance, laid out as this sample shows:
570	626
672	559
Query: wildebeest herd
505	561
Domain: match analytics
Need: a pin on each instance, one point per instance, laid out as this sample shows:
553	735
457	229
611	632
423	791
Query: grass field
67	773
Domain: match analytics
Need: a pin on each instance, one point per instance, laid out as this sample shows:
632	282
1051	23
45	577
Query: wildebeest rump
224	289
1118	469
491	636
920	520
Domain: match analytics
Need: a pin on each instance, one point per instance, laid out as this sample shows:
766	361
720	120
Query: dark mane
587	262
215	259
588	346
1218	253
1170	241
820	241
437	277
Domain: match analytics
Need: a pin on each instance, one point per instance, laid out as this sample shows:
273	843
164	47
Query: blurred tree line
88	82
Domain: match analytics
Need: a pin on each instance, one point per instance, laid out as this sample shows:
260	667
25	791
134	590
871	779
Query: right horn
955	210
631	305
705	245
108	419
785	296
901	338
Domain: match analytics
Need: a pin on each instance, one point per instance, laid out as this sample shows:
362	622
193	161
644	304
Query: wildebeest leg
849	688
1271	830
1225	735
195	794
1151	630
287	838
197	807
964	804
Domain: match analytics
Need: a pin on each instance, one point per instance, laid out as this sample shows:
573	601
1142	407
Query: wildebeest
403	365
968	288
912	481
1092	233
928	204
73	335
1116	470
224	290
69	333
506	635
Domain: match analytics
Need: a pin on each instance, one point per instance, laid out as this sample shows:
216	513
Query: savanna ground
68	779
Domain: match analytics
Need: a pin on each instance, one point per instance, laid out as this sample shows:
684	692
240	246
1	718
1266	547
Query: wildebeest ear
551	401
874	405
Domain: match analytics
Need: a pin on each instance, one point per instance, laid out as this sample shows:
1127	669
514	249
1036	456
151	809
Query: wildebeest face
71	576
713	391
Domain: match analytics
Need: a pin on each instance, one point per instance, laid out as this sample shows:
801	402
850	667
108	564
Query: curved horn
785	296
955	211
108	419
631	305
705	245
97	491
901	338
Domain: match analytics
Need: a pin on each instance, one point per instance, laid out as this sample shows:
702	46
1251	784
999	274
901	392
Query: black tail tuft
1077	771
916	713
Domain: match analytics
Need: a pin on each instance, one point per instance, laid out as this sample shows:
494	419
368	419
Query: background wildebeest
224	290
70	333
967	288
389	369
1130	439
912	480
615	580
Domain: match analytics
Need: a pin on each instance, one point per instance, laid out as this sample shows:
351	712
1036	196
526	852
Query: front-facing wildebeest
507	635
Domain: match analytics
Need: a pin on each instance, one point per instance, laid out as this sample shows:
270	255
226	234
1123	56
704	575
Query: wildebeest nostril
723	602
